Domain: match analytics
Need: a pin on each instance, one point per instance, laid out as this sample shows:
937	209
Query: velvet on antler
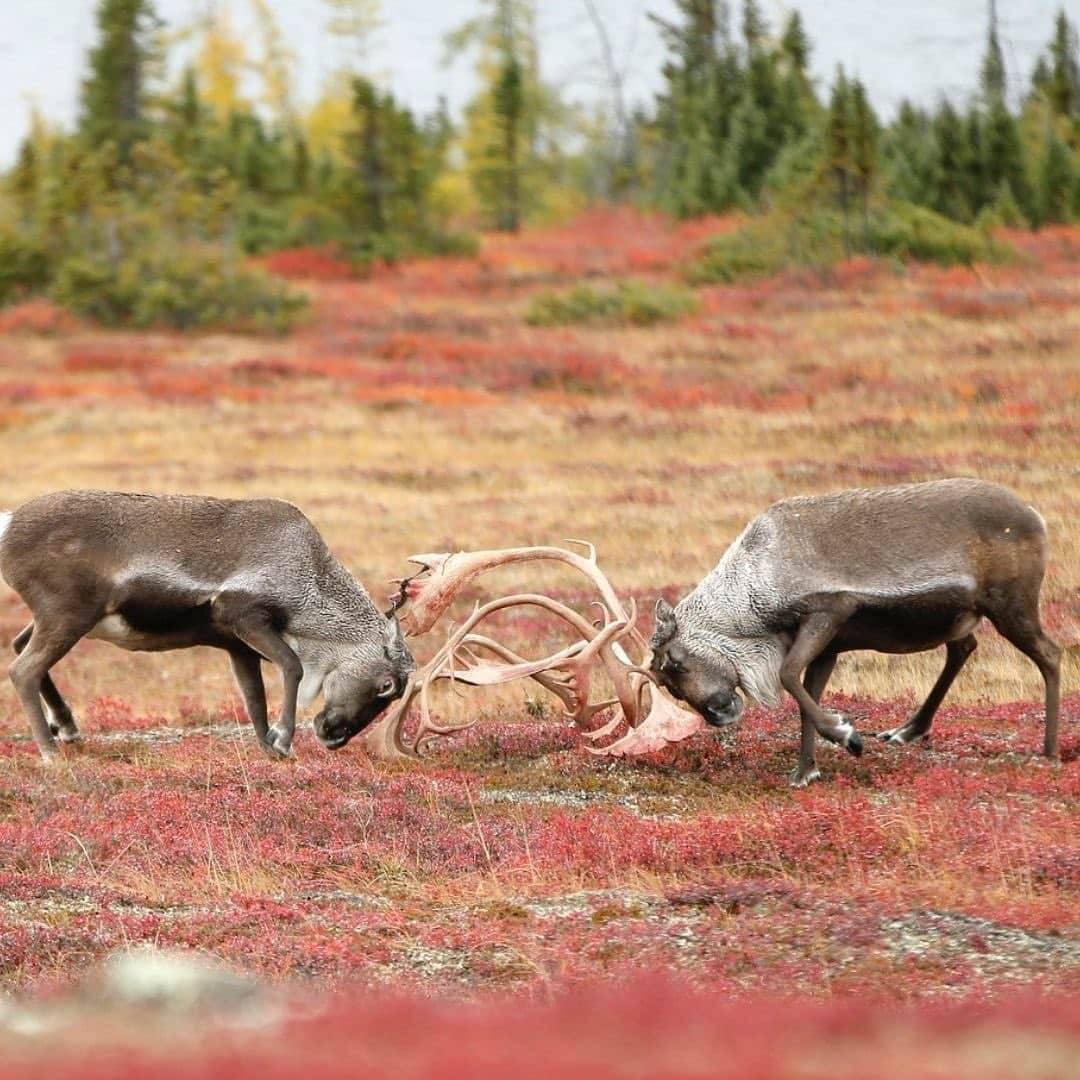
470	658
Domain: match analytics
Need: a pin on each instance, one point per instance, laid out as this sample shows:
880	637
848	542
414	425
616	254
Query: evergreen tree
952	158
992	74
704	85
1056	180
971	166
25	177
754	26
795	44
509	102
390	174
1003	155
368	156
185	118
1040	76
1062	84
796	102
840	148
727	113
113	102
864	150
909	156
301	157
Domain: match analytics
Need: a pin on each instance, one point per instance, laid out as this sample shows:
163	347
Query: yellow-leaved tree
353	24
511	138
276	65
221	61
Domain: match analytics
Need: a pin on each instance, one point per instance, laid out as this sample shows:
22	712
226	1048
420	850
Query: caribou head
358	690
691	668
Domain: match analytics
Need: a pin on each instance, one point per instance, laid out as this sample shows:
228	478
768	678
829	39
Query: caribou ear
394	643
666	626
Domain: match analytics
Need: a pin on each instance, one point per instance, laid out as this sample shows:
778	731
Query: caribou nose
330	731
723	709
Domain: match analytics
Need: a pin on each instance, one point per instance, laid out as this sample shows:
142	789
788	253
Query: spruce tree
952	160
972	169
1063	79
1003	156
301	164
754	26
839	148
114	93
369	162
1056	180
795	44
509	101
864	150
992	74
25	177
704	87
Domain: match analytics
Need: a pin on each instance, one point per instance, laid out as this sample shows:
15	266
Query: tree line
175	171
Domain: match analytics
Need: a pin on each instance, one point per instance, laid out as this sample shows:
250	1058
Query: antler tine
555	682
607	729
605	611
587	545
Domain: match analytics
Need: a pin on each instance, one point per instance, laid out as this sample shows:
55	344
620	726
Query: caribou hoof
278	745
898	736
802	777
845	734
64	728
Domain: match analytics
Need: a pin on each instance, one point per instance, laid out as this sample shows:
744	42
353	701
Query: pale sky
913	48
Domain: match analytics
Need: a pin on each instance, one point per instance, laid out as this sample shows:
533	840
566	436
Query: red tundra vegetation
416	410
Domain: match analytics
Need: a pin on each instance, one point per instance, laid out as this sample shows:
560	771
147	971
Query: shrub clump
24	265
630	302
815	238
188	289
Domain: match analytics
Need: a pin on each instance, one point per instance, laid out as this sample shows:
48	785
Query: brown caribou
896	570
252	577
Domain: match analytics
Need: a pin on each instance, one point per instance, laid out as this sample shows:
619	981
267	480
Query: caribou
252	577
895	570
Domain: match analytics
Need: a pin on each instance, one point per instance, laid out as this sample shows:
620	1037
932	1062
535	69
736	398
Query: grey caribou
896	570
252	577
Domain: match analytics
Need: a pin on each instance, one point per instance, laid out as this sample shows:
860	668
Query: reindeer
149	573
896	570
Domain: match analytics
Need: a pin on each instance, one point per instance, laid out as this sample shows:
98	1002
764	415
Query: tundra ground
417	412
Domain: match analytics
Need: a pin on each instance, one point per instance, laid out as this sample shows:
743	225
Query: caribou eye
672	666
387	687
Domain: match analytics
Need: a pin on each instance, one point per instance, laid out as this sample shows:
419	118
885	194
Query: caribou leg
956	655
57	711
811	641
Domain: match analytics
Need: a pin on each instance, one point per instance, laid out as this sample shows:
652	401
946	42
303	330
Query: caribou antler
613	642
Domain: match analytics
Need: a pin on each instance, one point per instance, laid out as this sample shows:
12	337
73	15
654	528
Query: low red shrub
110	356
36	317
308	263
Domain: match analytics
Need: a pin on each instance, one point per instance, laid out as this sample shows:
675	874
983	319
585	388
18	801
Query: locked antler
614	644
